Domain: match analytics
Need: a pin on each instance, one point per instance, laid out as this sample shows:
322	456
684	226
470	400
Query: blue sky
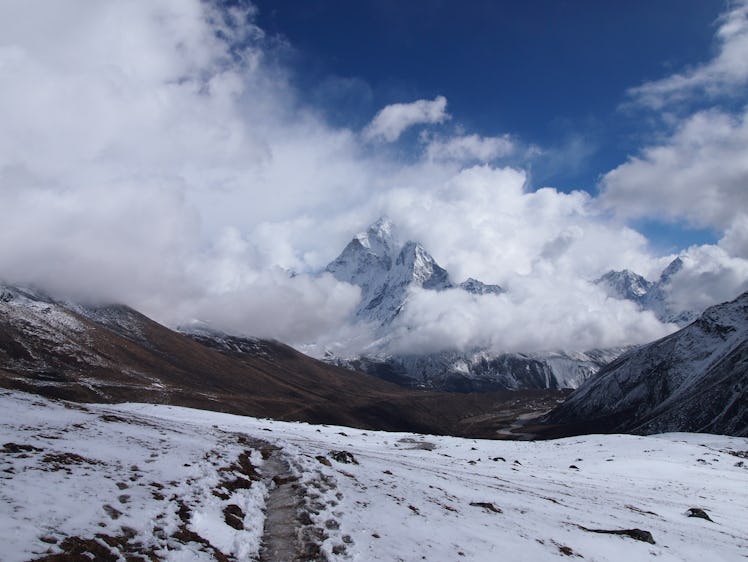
547	71
550	73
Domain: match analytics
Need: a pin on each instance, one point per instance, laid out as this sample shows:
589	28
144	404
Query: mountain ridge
653	296
385	270
113	353
693	380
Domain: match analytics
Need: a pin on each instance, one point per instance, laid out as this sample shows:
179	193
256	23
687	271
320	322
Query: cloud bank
153	153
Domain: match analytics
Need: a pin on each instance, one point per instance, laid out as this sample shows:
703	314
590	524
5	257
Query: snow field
157	476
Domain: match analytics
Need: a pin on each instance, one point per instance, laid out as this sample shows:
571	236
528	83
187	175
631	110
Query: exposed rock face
385	270
655	296
693	380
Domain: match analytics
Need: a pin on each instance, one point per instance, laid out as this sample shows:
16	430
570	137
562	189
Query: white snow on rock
386	270
653	296
371	495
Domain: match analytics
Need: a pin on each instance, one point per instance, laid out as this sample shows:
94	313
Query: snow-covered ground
158	480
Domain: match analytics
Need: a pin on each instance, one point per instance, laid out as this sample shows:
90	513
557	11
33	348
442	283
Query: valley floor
159	482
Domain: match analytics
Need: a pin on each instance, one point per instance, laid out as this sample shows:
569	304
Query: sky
184	156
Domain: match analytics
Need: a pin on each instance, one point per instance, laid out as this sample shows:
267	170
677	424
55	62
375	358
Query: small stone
698	512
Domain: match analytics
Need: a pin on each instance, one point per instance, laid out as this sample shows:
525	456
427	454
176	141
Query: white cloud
726	73
483	222
393	119
146	158
559	315
735	240
709	275
699	174
469	148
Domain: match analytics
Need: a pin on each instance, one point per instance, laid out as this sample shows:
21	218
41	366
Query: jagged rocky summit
385	270
648	295
693	380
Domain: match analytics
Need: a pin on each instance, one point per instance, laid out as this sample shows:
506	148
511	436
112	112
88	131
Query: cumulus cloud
490	226
698	174
393	119
709	275
726	73
151	153
584	318
135	136
469	148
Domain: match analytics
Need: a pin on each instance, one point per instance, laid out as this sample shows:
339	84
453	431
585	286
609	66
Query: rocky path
280	538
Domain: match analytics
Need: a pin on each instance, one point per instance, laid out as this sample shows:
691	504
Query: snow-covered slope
152	482
628	285
385	270
485	371
693	380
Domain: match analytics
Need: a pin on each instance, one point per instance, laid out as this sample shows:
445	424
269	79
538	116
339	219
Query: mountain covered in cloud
385	270
648	295
693	380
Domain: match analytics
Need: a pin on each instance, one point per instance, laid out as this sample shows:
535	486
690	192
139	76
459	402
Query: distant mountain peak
380	238
479	288
691	380
627	285
673	268
385	270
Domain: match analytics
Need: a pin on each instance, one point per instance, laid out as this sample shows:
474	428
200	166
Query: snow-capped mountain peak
479	288
385	270
655	296
416	265
625	284
380	238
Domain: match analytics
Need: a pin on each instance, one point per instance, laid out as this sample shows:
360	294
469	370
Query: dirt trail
280	537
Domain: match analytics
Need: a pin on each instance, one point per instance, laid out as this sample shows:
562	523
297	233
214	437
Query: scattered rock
49	540
112	512
16	448
488	506
323	460
698	512
637	534
234	517
638	510
573	467
343	457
